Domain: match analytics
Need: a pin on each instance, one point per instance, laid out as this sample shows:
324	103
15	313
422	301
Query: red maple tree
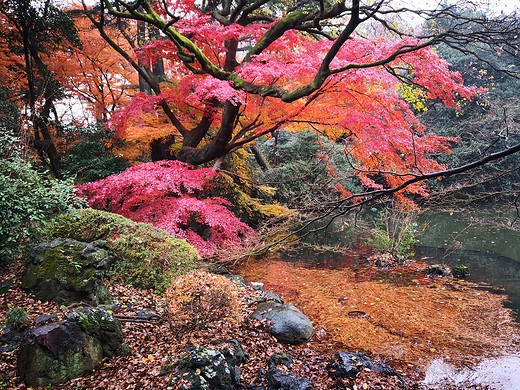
169	195
238	71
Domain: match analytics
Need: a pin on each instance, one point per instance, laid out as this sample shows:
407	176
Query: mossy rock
145	256
67	271
102	325
60	351
57	352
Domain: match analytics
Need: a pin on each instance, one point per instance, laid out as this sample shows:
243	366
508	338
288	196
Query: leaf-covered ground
153	344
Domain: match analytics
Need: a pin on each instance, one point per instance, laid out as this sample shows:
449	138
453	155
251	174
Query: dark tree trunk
160	149
259	157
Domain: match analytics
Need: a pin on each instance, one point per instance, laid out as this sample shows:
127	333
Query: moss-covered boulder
146	257
60	351
206	368
67	271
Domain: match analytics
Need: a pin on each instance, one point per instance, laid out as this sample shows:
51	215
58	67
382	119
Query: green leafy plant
146	257
29	200
394	232
91	157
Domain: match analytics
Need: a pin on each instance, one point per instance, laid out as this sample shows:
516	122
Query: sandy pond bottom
435	330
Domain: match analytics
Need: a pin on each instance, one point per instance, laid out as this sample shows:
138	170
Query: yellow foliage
414	96
274	210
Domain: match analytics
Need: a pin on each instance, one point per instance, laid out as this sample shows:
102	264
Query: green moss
89	323
146	257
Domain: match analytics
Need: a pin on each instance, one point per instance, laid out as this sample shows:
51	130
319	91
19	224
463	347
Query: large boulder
60	351
288	324
68	271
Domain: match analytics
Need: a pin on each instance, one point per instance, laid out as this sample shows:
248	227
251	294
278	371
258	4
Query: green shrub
91	157
29	200
394	232
147	257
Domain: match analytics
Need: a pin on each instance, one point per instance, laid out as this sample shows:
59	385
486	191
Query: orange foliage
94	74
199	299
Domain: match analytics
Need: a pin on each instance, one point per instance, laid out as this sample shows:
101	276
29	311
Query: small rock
437	270
5	285
280	359
237	279
277	380
460	271
40	320
348	365
258	286
211	368
271	296
10	339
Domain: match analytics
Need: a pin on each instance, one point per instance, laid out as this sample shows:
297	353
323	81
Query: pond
328	284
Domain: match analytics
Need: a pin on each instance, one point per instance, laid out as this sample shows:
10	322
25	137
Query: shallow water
501	373
490	250
492	253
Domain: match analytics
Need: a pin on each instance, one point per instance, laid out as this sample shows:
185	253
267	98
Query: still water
480	240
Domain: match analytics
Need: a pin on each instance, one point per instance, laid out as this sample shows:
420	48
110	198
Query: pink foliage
210	88
169	195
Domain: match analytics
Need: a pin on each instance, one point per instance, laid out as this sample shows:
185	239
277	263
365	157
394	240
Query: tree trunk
259	157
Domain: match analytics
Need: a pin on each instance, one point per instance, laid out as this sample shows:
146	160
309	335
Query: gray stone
289	325
68	271
460	271
60	351
5	285
211	368
102	325
258	286
271	296
437	270
277	380
10	339
40	320
348	365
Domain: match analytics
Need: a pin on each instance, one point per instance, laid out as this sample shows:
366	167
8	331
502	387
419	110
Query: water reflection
479	240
